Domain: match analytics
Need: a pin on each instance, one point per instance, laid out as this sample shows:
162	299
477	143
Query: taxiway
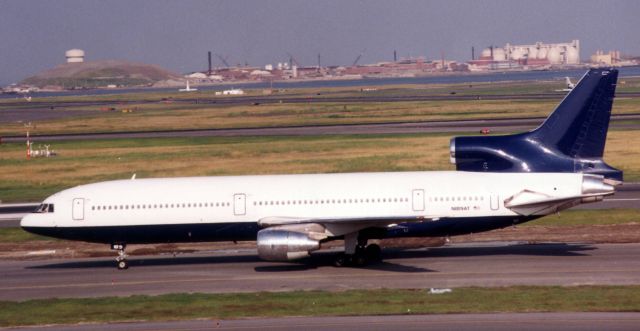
495	264
626	121
476	322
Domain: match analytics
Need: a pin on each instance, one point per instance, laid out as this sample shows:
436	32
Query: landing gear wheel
373	253
340	261
123	264
121	260
359	260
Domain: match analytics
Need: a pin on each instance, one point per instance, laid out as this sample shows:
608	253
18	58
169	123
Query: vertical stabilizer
572	138
578	126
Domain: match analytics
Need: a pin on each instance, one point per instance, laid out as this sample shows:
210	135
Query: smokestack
318	61
473	53
209	62
395	56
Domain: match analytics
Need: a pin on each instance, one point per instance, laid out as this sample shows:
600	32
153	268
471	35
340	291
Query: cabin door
239	204
418	200
78	209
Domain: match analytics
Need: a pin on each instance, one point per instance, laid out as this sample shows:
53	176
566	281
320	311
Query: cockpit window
44	208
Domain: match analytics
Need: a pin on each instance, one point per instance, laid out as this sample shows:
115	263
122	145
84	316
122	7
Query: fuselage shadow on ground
326	258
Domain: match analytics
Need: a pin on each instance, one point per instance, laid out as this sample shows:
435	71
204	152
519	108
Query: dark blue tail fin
578	127
571	139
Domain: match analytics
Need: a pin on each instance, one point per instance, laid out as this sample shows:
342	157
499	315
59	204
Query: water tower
74	56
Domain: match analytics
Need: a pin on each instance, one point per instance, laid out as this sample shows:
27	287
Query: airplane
501	181
187	88
569	87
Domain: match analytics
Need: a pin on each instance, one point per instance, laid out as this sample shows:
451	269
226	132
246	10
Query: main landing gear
121	260
357	252
362	256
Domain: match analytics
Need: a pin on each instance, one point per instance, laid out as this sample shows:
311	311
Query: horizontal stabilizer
535	203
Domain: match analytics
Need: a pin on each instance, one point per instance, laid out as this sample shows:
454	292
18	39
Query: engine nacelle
283	245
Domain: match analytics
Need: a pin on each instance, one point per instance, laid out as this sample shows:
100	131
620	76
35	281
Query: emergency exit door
78	209
239	204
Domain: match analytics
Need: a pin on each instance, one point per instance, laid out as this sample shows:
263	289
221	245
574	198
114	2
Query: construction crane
223	59
355	62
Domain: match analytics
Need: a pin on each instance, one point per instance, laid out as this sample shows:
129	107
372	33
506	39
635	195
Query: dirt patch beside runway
597	234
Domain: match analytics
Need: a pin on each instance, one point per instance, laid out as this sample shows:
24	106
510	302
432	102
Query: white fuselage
249	199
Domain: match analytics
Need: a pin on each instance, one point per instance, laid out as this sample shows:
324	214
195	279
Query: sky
177	34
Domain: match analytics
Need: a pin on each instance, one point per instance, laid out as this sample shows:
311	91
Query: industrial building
602	58
522	56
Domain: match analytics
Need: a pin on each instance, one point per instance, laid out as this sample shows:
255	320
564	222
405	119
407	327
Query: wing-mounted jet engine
289	242
571	139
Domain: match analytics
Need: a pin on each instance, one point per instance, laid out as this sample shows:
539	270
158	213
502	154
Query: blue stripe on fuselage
203	232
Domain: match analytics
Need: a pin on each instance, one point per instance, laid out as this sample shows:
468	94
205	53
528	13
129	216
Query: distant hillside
100	74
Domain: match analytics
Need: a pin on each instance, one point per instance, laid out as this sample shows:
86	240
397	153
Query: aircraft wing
382	221
320	228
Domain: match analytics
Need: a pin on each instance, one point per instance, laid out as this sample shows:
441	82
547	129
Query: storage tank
542	53
517	53
554	55
498	54
533	53
486	52
573	57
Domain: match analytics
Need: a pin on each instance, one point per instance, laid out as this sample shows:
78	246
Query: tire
122	265
340	261
359	260
373	253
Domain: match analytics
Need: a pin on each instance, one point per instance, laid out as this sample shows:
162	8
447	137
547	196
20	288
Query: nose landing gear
121	260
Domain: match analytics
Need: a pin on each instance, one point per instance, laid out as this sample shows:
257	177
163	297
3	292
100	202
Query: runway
495	264
495	125
479	322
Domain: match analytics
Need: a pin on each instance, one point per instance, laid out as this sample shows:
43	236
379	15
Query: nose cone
595	184
40	224
28	221
35	221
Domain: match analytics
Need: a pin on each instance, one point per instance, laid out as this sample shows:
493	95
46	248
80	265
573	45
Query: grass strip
17	235
321	303
84	162
158	116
